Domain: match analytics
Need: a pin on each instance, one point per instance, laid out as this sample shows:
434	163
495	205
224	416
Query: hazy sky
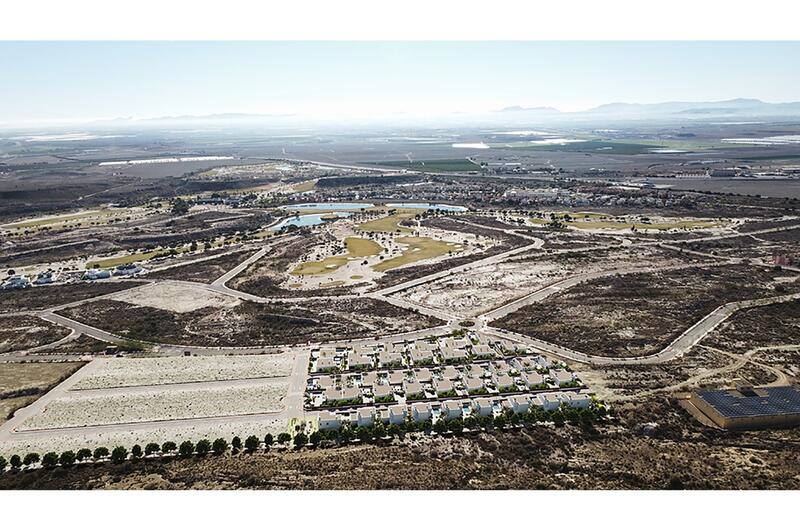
89	80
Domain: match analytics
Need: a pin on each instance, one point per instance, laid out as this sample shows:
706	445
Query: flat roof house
382	390
423	375
456	356
326	364
482	352
452	409
476	371
365	416
442	386
533	379
451	373
370	379
421	412
546	401
473	384
421	357
576	400
357	362
329	421
390	359
325	381
412	388
350	393
397	414
483	407
503	381
396	378
561	376
519	403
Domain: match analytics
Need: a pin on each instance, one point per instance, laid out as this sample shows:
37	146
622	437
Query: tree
203	447
152	448
219	447
119	454
100	453
252	443
471	423
300	440
136	451
236	444
456	426
269	440
379	430
84	454
440	427
180	206
394	430
50	460
284	438
169	447
3	463
15	462
315	438
30	459
67	458
499	422
364	434
186	449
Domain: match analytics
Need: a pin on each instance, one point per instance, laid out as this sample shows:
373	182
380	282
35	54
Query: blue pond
308	220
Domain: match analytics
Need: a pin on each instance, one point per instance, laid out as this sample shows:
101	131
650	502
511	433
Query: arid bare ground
652	446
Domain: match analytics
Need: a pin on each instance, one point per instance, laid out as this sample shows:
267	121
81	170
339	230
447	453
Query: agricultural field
441	165
22	332
127	372
640	313
155	405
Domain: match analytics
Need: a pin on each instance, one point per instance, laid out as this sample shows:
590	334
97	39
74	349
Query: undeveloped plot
22	332
250	323
111	438
42	297
763	326
158	405
174	297
22	383
641	313
479	290
205	271
127	372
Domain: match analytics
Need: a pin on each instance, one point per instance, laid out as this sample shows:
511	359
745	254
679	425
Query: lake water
308	220
429	206
327	206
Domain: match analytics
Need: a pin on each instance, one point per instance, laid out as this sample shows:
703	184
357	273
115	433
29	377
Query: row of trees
186	449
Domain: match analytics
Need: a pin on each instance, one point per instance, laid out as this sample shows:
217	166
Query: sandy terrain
174	297
125	372
158	405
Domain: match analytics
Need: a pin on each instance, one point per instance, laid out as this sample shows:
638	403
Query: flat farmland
640	313
22	383
127	372
157	405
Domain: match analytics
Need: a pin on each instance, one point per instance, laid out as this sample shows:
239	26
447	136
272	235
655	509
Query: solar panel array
777	401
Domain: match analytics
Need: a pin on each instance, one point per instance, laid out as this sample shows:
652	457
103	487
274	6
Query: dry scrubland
173	297
20	332
206	271
764	326
250	323
158	405
22	383
640	313
479	290
42	297
655	445
128	372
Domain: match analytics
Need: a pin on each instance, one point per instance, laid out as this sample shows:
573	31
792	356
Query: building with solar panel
750	407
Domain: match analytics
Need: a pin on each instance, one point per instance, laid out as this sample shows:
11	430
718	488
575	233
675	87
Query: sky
77	81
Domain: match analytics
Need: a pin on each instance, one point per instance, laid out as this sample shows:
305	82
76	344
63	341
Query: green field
356	248
389	223
590	146
455	165
418	249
